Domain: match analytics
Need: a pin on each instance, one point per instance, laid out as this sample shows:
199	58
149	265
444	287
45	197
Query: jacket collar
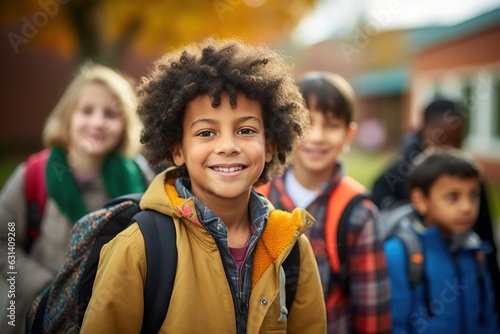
282	230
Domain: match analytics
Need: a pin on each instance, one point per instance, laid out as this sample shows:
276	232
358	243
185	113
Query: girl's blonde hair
56	130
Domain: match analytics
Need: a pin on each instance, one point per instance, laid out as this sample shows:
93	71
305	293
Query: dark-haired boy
348	249
455	294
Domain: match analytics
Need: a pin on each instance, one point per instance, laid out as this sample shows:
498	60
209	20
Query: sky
337	17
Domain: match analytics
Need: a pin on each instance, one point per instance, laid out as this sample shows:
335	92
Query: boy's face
452	204
223	148
320	149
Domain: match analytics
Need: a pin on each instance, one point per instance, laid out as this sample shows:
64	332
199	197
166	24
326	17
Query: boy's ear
270	149
419	201
177	155
352	129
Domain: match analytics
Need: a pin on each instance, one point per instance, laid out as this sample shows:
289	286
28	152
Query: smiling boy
355	285
209	109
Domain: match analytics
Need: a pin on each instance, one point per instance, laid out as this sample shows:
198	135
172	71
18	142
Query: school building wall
467	69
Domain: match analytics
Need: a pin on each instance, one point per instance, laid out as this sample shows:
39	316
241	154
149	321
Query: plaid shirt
366	308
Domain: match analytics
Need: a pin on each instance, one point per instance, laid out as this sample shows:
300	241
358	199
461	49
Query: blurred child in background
455	293
91	138
362	303
443	126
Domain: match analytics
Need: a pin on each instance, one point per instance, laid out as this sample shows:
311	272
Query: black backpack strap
291	266
159	234
479	256
134	197
37	325
342	278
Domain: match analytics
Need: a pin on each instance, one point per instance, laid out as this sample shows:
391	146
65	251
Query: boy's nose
467	204
316	133
228	145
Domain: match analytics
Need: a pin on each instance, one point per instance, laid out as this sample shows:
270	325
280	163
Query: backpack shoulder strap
35	192
291	266
480	267
134	197
159	234
346	190
414	251
264	189
339	207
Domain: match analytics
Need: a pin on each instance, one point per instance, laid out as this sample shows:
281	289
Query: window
496	108
468	105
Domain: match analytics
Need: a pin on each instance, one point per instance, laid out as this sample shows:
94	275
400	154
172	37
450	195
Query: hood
162	196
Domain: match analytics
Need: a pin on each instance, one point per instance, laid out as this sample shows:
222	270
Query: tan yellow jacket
202	301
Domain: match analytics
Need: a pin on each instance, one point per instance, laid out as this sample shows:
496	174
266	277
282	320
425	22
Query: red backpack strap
36	193
335	240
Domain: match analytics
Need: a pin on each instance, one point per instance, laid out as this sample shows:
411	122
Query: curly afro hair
214	67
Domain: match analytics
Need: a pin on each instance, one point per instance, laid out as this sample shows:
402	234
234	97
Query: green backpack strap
159	234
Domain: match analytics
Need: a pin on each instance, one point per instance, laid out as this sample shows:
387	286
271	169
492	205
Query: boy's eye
333	125
452	197
474	196
205	133
246	131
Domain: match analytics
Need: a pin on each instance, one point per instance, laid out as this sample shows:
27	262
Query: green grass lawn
365	166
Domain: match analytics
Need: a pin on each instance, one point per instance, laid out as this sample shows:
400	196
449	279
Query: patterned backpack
61	306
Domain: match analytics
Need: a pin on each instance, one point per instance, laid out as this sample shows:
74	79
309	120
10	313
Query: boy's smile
228	169
223	148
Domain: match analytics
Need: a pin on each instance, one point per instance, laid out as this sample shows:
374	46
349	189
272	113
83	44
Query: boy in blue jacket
455	294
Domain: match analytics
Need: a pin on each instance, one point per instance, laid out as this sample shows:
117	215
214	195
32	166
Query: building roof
390	81
425	37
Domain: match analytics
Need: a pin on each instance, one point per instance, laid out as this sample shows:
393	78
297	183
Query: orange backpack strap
264	189
340	203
